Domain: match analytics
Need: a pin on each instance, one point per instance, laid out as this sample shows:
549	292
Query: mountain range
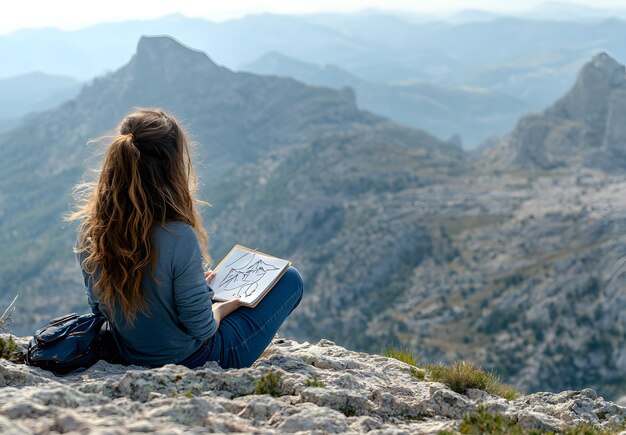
473	114
400	236
470	75
529	59
32	92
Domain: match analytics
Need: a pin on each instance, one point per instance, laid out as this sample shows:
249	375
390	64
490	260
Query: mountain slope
519	270
244	124
531	281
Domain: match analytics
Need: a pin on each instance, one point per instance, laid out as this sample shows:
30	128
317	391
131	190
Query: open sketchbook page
246	273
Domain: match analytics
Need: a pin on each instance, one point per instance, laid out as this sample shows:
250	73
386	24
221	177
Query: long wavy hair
146	179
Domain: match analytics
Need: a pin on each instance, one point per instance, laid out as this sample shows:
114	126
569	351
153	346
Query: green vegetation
188	393
463	375
405	355
313	382
402	354
588	429
348	411
269	384
481	422
10	350
419	374
459	376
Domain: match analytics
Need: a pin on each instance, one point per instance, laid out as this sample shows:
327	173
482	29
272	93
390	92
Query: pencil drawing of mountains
245	279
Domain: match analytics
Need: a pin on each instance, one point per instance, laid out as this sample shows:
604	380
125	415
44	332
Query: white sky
74	14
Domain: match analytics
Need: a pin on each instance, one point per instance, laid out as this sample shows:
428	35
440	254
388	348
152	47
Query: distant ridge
33	91
470	113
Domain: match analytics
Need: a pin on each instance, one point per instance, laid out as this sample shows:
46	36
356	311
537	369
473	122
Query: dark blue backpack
71	342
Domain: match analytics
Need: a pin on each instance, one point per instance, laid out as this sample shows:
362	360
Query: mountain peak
164	51
601	73
590	100
596	80
582	128
156	43
605	62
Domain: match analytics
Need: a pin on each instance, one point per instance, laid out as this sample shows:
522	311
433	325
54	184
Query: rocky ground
529	280
294	387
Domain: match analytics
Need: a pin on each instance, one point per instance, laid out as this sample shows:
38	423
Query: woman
141	246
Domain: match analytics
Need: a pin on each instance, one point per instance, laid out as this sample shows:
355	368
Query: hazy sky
73	14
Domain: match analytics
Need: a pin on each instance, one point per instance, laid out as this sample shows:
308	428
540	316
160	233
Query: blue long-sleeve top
179	316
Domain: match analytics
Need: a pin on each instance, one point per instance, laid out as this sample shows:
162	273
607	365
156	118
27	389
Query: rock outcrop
310	388
583	128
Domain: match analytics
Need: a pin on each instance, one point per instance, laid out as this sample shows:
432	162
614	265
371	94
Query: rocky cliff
583	128
293	388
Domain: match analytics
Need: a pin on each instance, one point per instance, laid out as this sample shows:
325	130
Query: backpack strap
112	345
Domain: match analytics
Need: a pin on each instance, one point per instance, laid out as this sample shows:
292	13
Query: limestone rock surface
318	388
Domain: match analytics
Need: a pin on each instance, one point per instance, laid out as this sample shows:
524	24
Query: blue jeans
244	334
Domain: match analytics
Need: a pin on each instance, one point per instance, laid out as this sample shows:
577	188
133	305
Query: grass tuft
461	376
9	349
481	422
269	384
588	429
314	382
402	354
419	374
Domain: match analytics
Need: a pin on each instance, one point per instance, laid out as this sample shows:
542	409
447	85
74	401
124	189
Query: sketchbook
247	273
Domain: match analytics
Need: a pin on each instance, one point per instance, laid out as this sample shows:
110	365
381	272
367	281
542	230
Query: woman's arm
192	293
88	280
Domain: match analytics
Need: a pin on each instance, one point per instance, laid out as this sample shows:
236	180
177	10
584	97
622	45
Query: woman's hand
209	275
223	309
